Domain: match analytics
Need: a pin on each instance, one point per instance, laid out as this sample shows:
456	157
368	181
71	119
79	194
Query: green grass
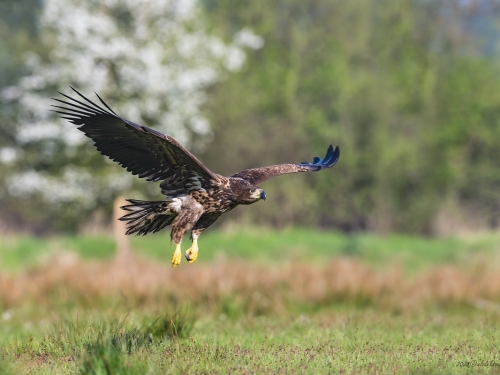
333	341
412	252
17	252
118	333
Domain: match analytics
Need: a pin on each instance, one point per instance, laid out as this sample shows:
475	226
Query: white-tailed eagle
195	197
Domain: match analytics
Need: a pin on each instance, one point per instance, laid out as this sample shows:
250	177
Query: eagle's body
195	197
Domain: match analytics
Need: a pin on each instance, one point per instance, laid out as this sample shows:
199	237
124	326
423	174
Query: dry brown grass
254	288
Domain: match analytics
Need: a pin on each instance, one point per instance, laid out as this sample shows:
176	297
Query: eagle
195	197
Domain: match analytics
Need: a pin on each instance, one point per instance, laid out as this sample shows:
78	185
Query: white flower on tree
150	59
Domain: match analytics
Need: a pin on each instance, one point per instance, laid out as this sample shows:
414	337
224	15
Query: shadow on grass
178	324
118	350
110	354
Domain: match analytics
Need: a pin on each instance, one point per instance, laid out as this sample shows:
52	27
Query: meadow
255	301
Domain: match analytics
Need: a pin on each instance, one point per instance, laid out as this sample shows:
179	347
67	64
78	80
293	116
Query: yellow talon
192	252
176	258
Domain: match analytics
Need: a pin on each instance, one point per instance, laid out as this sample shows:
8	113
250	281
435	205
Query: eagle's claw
176	258
192	252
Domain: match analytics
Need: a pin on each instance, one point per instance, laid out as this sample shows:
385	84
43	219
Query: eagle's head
245	193
256	193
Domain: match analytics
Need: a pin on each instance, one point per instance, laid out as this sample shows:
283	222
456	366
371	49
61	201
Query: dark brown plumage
195	196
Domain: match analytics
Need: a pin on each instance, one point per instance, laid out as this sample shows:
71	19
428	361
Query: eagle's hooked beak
263	195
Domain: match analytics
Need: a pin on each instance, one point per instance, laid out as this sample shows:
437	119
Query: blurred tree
151	60
406	88
18	33
390	83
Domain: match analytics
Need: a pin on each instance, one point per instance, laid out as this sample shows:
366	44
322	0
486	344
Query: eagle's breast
214	200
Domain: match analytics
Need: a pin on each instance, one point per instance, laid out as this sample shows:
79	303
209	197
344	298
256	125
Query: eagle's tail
147	216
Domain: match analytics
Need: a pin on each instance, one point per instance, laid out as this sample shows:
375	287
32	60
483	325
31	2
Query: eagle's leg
203	223
176	258
184	221
192	252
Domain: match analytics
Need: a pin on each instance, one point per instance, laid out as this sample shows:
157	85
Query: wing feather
257	175
140	150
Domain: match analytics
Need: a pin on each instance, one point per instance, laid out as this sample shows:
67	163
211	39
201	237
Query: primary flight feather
195	196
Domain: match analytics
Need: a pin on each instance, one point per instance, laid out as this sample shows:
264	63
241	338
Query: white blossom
247	38
149	59
9	154
71	185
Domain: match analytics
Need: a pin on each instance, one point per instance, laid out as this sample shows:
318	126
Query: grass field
294	301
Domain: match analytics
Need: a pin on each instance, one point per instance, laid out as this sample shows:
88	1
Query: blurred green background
407	89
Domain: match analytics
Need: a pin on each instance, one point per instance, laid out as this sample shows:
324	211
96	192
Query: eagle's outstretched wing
141	150
257	175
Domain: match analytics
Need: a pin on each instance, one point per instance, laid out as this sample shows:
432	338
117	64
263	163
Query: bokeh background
406	224
408	90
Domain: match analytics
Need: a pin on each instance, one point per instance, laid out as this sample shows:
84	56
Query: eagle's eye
253	190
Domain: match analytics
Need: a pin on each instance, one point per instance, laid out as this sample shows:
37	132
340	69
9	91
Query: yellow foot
176	258
192	252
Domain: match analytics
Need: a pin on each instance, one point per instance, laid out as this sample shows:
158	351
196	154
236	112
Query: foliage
151	60
18	20
407	89
408	98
